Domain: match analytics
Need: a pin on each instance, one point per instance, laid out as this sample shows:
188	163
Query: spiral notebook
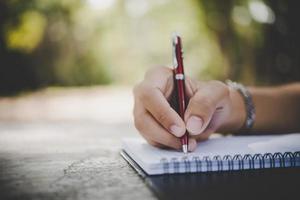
216	154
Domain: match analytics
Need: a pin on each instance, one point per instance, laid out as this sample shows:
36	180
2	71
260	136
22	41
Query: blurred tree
15	71
278	60
38	46
264	49
69	42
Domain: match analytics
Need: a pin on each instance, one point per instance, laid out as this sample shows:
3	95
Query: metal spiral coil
229	163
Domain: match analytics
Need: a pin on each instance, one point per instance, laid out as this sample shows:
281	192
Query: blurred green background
92	42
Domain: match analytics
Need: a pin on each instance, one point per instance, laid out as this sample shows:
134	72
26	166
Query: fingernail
192	144
177	130
194	125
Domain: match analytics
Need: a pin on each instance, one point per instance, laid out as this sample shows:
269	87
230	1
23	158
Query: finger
192	144
158	145
212	126
203	136
210	129
156	103
152	131
190	86
155	144
203	104
161	78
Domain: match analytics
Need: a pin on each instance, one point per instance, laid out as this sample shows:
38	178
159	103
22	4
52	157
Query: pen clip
174	44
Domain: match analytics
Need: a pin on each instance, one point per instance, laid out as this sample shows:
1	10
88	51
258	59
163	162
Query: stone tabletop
65	143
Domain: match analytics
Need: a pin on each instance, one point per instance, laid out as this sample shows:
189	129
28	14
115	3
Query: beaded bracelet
250	109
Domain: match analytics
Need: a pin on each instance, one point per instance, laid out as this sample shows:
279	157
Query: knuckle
138	89
220	86
139	123
158	72
145	93
204	103
171	143
152	71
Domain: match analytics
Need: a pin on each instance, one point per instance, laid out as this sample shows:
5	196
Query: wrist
236	115
249	109
239	114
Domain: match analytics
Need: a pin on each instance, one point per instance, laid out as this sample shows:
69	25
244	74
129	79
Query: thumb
202	106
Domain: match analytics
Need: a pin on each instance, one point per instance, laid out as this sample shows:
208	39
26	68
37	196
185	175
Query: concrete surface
73	154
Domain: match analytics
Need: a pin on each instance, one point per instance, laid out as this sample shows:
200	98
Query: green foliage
42	46
70	42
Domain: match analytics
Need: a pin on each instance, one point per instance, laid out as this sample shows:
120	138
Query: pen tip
185	148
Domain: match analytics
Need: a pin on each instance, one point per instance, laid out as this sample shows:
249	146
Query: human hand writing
213	107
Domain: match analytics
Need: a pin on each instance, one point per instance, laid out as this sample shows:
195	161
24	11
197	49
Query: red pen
179	84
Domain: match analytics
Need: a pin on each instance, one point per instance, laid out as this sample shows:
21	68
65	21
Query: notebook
216	154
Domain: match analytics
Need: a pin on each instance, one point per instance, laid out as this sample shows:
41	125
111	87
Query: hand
213	106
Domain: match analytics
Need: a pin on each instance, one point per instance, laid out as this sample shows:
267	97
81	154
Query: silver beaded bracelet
250	108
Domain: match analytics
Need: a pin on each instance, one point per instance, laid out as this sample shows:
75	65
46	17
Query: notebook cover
133	164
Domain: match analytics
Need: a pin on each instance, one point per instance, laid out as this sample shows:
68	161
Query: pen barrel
181	97
179	80
184	139
181	103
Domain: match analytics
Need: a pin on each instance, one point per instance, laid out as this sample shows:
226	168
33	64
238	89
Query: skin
213	107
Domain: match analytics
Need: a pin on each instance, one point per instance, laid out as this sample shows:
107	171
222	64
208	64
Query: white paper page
140	150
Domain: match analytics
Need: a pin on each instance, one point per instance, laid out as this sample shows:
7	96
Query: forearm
277	109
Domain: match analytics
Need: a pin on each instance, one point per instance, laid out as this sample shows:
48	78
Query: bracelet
250	108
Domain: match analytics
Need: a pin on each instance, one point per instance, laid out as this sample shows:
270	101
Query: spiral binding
229	163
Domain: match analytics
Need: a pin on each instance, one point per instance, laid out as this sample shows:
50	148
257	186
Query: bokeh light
91	42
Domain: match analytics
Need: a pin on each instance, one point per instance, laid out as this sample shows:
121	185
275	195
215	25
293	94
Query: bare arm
277	108
213	107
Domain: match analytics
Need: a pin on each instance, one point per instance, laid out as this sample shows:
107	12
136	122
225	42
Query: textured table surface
66	161
65	145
